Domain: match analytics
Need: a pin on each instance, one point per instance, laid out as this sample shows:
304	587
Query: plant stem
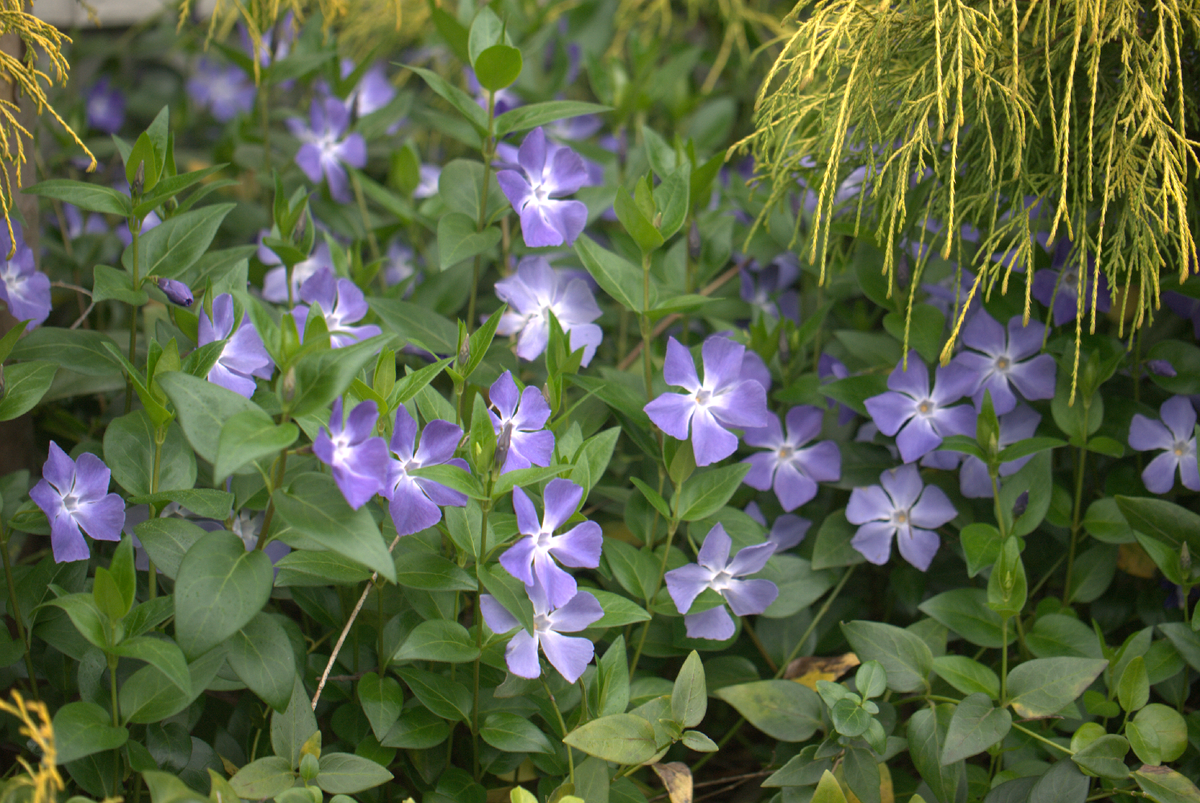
562	726
644	326
1043	739
135	230
16	608
662	569
488	152
486	509
813	624
372	243
1004	661
1076	516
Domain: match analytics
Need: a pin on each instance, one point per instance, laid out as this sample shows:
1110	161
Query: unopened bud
1008	581
503	442
289	385
177	292
139	180
693	241
464	353
1185	559
658	221
298	232
547	395
1020	505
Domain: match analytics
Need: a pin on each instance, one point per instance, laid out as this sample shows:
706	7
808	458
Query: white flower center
900	518
1003	364
1181	448
926	407
786	452
703	397
720	581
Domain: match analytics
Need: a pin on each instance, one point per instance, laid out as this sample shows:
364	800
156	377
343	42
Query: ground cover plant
452	411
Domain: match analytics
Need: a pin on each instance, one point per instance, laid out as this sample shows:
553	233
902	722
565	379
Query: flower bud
503	442
693	241
289	385
1185	560
139	180
176	291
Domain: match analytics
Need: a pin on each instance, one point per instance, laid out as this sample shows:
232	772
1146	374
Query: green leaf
220	587
1029	446
782	709
314	508
207	503
613	671
447	698
88	197
1185	640
1058	636
80	350
458	240
430	572
1165	785
438	640
417	729
291	729
905	656
671	197
799	586
689	695
174	245
498	67
927	738
264	778
621	738
203	408
173	185
695	740
533	115
167	540
150	696
1062	783
142	157
1007	586
247	437
618	611
967	675
161	654
1170	727
1044	686
1144	741
832	548
83	728
636	222
965	611
322	376
924	330
24	386
1133	689
616	276
514	734
348	774
593	459
129	448
509	592
85	616
486	30
981	544
853	391
975	726
828	790
310	568
707	491
261	655
1105	757
110	284
1162	520
464	103
150	613
382	700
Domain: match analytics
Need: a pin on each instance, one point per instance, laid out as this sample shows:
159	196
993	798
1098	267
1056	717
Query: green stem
489	153
1004	661
816	621
372	243
662	569
1043	739
281	463
1076	516
16	609
644	326
487	508
135	230
562	727
762	648
112	674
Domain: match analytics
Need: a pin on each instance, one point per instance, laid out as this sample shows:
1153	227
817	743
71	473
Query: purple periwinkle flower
327	147
276	40
1160	368
74	496
723	400
77	225
373	90
1003	362
715	570
769	287
275	287
341	303
1060	289
1176	435
1185	307
1015	426
755	367
176	291
358	457
224	90
831	369
24	288
427	185
532	558
415	502
536	291
569	656
923	417
788	466
244	356
786	531
903	508
518	420
105	107
399	264
547	174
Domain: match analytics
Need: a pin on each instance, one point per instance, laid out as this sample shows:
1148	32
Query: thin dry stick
346	630
708	289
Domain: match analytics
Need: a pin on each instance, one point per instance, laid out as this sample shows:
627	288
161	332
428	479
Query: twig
346	630
662	325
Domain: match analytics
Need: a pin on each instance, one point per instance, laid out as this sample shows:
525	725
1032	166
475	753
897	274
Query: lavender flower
755	368
1001	363
831	369
923	417
531	558
276	40
723	400
505	99
427	186
546	175
77	225
176	292
225	91
399	265
1015	426
786	531
24	288
1176	435
769	288
105	107
74	496
359	461
244	355
518	421
275	287
1060	289
536	291
415	502
373	90
714	570
791	469
903	508
341	303
569	656
327	147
